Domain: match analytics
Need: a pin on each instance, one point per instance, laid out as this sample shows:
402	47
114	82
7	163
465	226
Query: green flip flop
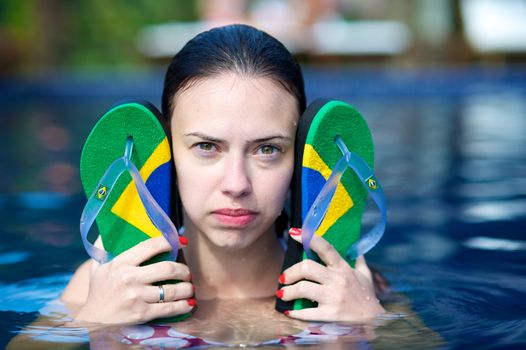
326	200
126	171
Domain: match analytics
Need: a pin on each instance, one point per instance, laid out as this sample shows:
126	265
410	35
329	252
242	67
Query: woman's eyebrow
258	140
273	137
203	137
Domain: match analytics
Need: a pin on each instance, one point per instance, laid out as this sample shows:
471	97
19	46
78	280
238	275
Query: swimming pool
450	152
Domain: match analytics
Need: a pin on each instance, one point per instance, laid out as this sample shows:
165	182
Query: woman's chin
232	240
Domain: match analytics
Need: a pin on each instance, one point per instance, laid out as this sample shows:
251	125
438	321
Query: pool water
450	154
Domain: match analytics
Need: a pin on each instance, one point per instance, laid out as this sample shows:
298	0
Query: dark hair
236	48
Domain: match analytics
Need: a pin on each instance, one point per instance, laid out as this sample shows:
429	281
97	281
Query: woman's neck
219	273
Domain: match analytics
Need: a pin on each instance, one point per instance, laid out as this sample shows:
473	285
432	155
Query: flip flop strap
322	202
102	191
368	240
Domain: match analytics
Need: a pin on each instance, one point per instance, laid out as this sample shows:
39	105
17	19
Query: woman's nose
236	180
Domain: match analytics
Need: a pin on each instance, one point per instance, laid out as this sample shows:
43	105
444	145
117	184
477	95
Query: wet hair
239	49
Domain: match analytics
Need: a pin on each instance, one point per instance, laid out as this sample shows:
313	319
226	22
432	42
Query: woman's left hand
343	293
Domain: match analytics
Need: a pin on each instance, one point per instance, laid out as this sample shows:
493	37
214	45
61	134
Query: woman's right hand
122	291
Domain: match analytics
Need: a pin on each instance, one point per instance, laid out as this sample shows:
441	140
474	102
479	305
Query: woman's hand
121	291
343	293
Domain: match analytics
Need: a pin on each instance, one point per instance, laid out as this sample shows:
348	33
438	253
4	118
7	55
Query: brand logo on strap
102	192
371	183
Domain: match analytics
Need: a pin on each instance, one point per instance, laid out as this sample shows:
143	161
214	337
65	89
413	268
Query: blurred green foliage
42	34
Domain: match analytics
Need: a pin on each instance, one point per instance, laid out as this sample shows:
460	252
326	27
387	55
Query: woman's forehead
234	100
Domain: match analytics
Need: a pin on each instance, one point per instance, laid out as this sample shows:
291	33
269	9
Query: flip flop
126	172
332	137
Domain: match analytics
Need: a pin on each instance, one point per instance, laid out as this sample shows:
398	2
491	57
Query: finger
303	290
323	315
162	271
306	269
143	251
362	267
172	308
309	314
327	253
171	292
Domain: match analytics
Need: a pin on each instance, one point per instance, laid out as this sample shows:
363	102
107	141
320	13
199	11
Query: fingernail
183	241
279	293
192	302
295	231
282	278
286	312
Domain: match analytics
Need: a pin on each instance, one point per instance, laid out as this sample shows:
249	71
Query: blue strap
102	191
321	204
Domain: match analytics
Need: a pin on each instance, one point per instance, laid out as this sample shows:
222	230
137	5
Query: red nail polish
192	302
295	231
183	240
279	293
286	312
282	278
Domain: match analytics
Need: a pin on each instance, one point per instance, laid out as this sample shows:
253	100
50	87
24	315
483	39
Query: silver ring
161	294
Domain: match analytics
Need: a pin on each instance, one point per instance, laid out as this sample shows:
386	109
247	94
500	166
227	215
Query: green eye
205	146
268	152
268	149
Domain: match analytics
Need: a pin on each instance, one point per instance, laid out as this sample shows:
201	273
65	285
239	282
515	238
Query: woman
233	96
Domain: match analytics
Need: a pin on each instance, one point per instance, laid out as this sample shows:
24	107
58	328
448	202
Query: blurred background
442	84
43	36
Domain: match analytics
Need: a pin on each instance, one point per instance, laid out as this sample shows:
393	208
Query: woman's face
233	145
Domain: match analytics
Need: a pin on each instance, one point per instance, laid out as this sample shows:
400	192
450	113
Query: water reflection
481	309
493	210
451	156
493	126
30	295
44	140
233	324
493	157
495	244
421	246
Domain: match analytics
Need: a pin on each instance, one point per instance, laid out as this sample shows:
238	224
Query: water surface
451	156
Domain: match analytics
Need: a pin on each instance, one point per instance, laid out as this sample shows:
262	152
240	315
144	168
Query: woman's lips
234	217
